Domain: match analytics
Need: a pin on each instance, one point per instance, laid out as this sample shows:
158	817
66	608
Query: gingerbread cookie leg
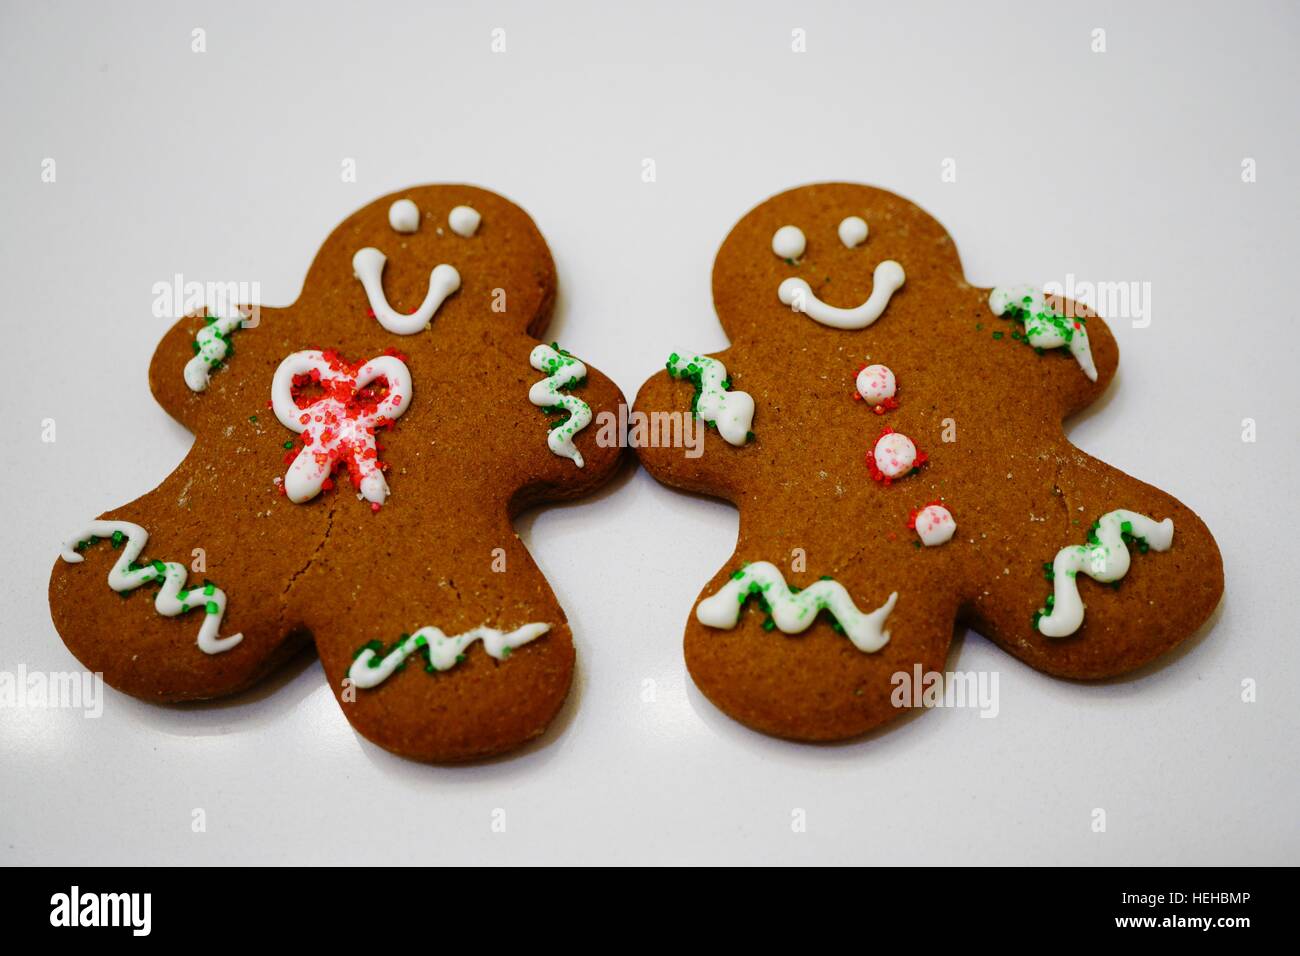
812	655
1121	573
440	657
453	646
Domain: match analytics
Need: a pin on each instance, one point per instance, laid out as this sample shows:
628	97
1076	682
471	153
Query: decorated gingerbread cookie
358	457
892	437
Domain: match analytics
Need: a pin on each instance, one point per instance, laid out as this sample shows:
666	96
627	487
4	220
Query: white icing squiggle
795	612
732	412
1105	561
798	294
561	372
170	601
368	264
1044	329
444	652
212	348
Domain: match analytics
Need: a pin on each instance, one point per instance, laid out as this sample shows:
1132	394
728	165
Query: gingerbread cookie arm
568	434
694	428
1114	575
162	599
1071	353
189	369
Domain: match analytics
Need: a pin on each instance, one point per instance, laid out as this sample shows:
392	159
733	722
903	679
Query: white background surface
226	165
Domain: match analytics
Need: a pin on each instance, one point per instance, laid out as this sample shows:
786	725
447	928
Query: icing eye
404	216
464	221
788	242
853	231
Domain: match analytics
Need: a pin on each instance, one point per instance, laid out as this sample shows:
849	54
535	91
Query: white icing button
853	231
876	383
935	525
404	216
464	221
895	455
788	242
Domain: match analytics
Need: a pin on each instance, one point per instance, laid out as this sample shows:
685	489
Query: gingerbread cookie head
416	259
358	457
828	262
892	436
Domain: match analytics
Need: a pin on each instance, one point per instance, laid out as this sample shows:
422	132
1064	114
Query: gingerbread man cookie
892	437
358	458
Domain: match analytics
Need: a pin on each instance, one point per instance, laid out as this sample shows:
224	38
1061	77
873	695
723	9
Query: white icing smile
368	264
798	294
789	244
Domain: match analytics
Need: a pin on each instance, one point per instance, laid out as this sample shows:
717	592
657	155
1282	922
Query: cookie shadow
1162	668
524	519
1097	407
268	700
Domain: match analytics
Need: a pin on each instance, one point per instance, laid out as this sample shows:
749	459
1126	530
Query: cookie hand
693	428
568	437
168	605
190	369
